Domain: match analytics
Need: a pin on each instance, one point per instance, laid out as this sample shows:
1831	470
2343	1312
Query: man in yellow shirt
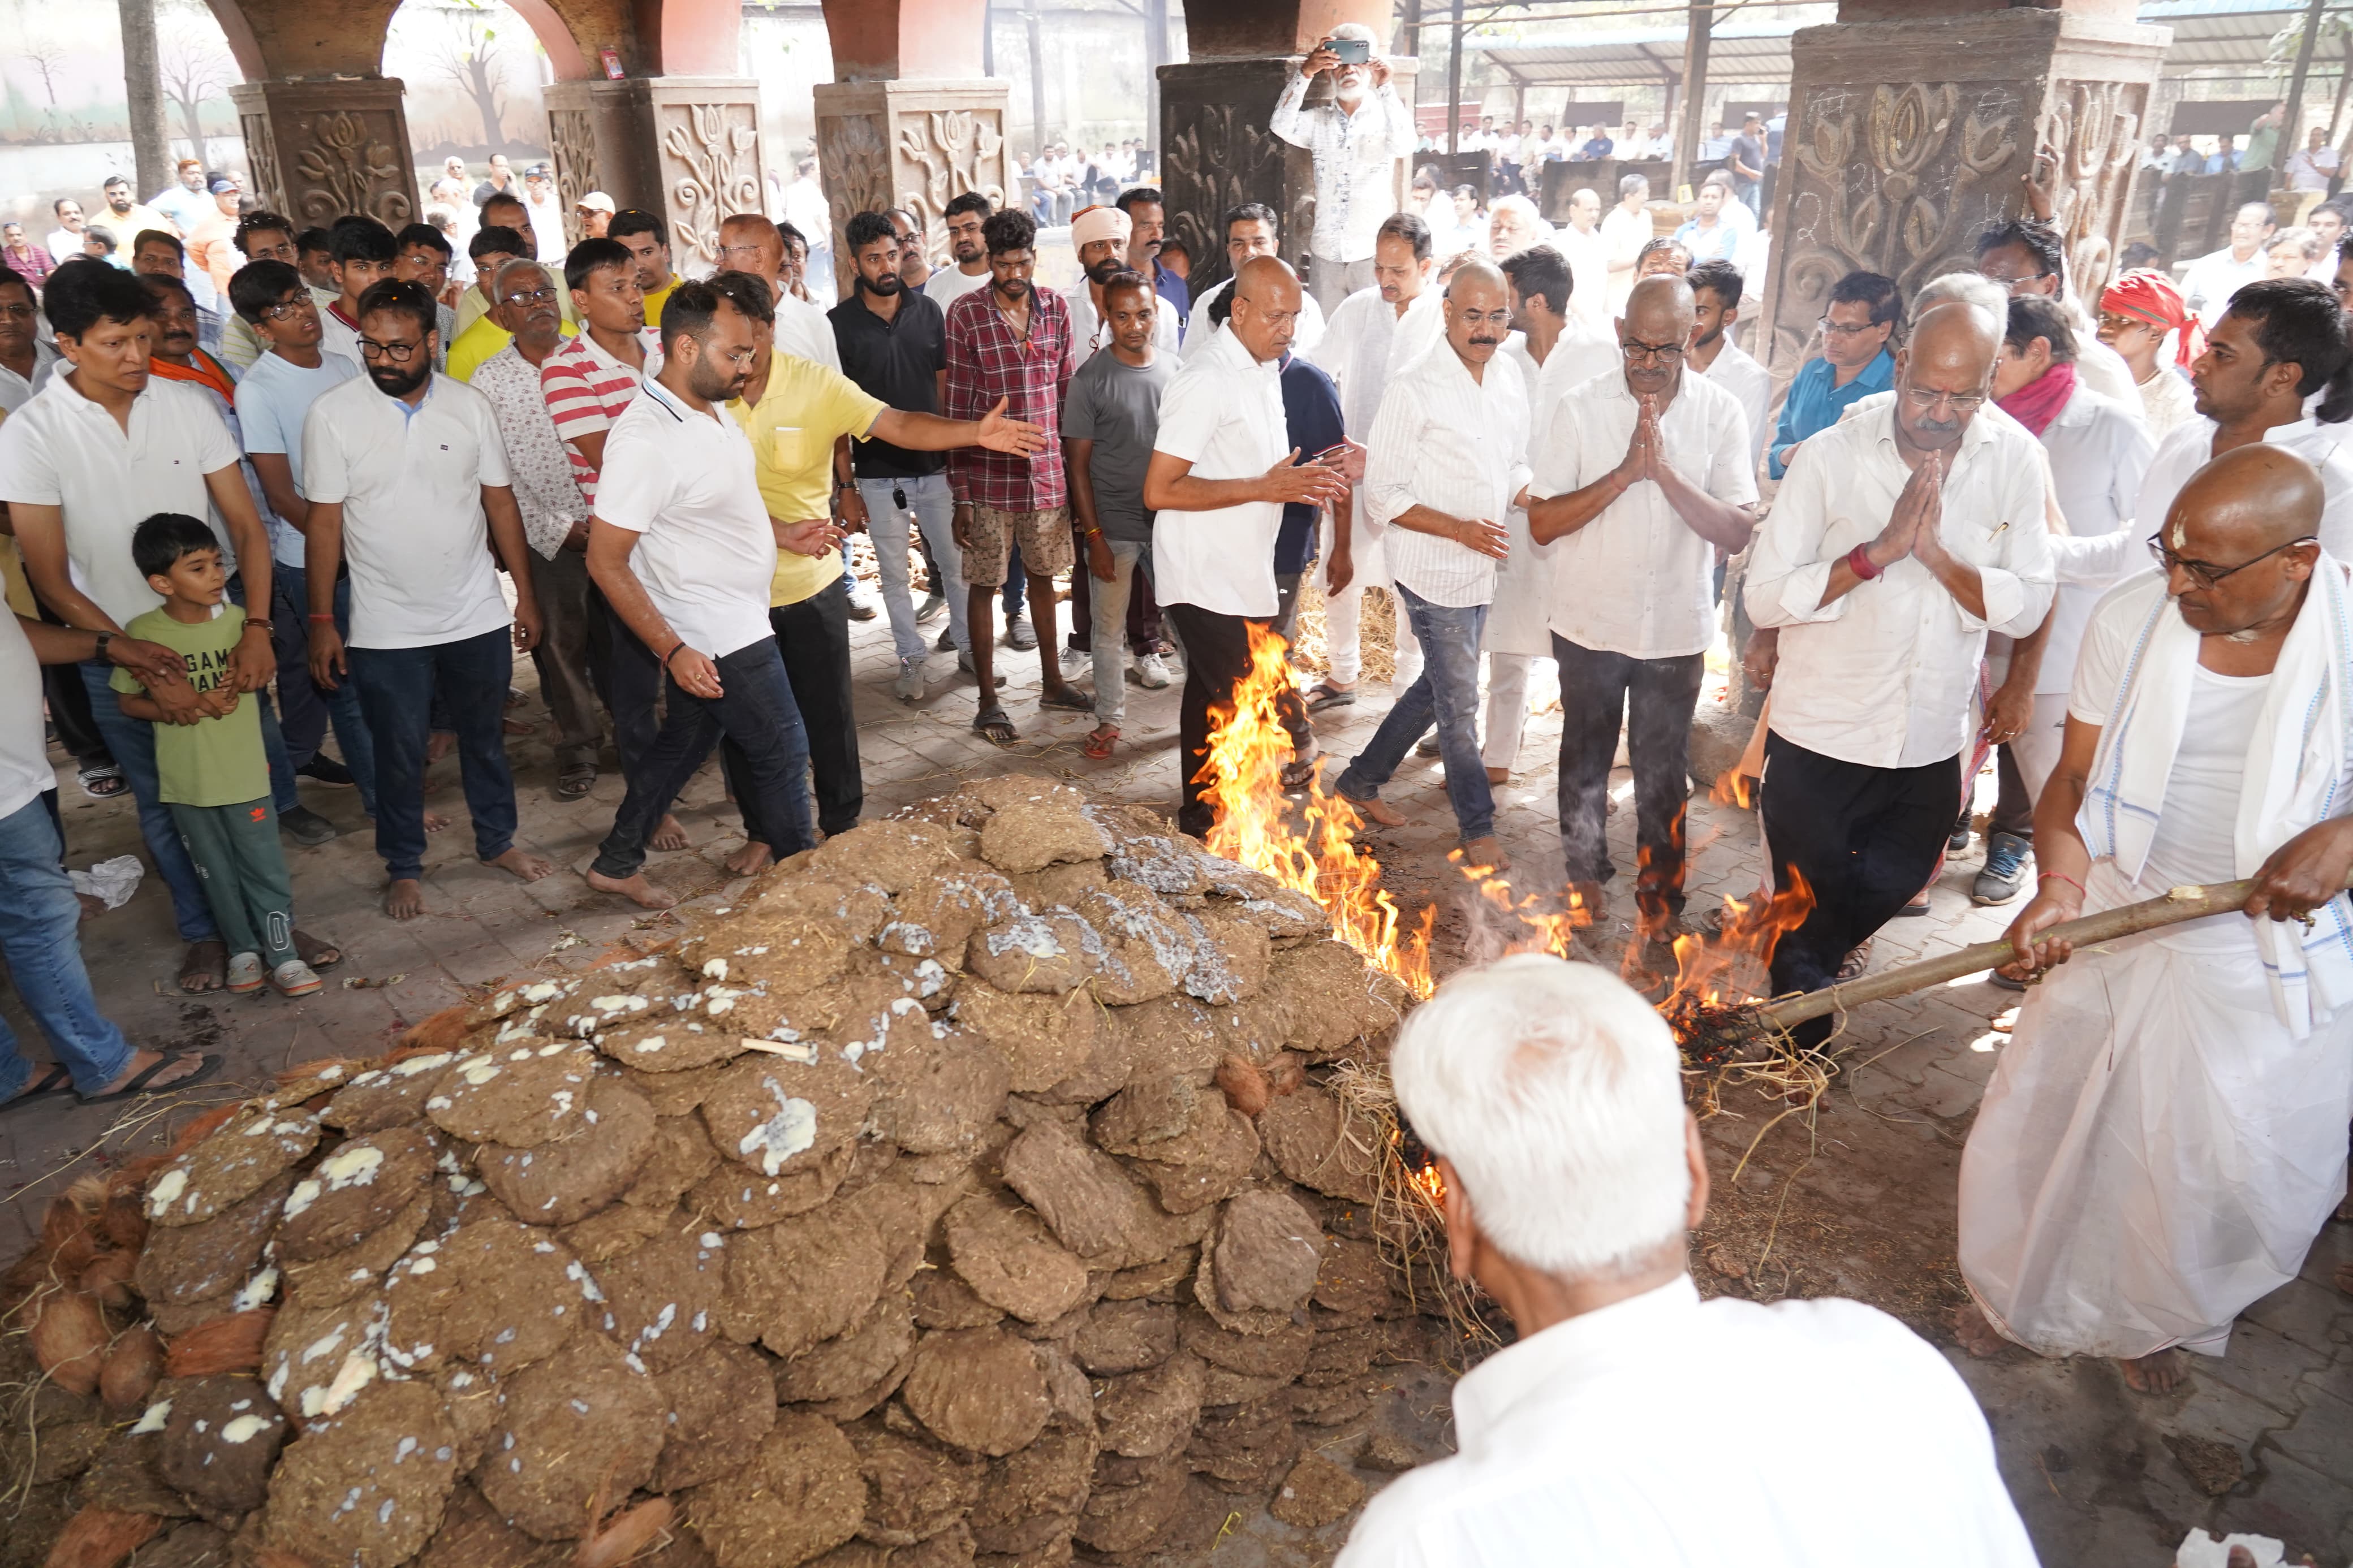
477	340
793	410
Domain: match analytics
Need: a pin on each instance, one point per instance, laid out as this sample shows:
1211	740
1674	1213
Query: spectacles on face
1651	354
2112	322
2205	573
749	252
16	310
396	353
1964	404
2014	284
540	296
292	306
2342	290
1830	329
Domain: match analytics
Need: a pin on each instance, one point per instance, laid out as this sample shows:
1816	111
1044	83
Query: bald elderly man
1220	474
1552	1096
1900	539
1448	460
2164	1134
1641	477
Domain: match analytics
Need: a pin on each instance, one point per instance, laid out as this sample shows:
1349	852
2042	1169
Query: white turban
1091	224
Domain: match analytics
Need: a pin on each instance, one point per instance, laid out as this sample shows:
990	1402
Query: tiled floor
1855	1200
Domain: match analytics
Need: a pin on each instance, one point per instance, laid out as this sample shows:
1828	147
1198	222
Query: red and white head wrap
2148	295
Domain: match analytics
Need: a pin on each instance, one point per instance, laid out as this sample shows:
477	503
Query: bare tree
46	55
471	57
142	90
192	69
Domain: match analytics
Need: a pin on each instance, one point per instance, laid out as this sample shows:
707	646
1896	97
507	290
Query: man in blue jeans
1448	459
406	474
682	549
40	917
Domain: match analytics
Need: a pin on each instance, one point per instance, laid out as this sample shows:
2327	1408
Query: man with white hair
1512	226
1356	140
1572	1174
1627	229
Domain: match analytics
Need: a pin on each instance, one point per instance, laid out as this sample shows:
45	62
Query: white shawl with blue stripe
2298	770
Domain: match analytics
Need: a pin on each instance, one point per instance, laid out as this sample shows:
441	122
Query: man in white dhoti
2164	1134
1552	1096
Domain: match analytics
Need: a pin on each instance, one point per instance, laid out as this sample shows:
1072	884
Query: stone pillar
915	145
1910	133
686	147
318	149
1216	152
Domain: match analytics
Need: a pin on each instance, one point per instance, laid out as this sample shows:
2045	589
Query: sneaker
323	769
964	663
1427	746
947	641
1020	634
305	827
1958	844
1077	658
244	973
862	607
1151	671
293	977
2005	869
932	606
910	684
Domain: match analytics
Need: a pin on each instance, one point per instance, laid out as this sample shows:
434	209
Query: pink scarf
2038	403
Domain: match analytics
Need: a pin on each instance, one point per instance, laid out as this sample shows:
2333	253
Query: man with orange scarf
2136	313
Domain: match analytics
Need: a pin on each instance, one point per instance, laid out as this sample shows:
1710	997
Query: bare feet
1487	852
435	821
92	906
636	889
1380	811
1978	1337
668	835
2158	1373
439	744
205	967
404	899
1498	777
526	866
2344	1277
752	859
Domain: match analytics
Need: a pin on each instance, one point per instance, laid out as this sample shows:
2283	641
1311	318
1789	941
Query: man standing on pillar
1356	140
1900	538
1643	478
1220	474
1448	462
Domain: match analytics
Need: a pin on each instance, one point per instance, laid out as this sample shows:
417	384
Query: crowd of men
1540	453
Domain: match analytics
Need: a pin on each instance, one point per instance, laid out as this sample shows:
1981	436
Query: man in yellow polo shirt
478	339
794	410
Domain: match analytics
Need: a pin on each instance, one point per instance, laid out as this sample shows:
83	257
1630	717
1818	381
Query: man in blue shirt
1147	223
1857	359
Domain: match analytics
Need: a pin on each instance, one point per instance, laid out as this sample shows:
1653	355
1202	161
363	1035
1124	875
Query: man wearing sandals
40	918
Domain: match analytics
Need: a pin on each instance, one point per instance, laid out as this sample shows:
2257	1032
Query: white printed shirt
1356	158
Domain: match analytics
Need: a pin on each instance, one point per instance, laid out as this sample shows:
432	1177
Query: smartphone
1350	51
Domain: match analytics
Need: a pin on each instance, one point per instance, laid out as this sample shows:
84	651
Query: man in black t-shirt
1746	161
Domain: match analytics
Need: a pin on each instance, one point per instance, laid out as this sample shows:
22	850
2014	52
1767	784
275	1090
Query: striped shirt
586	389
986	361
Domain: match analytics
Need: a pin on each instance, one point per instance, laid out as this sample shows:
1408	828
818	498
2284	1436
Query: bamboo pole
2187	903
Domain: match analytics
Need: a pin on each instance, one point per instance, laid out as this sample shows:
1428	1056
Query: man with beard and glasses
1009	347
1900	539
1355	140
1147	217
1715	295
965	218
272	400
555	512
1642	477
1099	237
1221	471
795	411
682	546
82	466
1447	459
407	480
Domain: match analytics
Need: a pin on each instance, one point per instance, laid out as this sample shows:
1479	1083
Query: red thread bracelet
2063	877
1858	560
323	617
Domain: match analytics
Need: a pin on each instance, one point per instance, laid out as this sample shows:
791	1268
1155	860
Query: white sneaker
295	978
244	973
910	684
1151	671
1076	657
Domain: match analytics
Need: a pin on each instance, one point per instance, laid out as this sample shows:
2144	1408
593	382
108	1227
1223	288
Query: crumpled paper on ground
112	880
2199	1549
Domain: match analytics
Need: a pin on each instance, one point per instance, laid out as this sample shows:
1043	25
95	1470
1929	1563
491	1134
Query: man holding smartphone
1356	140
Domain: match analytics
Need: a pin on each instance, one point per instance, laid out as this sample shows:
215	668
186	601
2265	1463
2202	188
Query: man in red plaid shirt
1008	349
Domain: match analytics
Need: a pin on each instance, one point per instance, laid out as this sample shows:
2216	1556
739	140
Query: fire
1715	975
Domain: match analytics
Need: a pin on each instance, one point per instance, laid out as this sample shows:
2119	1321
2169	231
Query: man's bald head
2240	536
1957	332
1655	330
1266	306
1944	373
749	242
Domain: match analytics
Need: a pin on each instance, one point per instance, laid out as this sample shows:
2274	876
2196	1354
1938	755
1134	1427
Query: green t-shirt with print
213	761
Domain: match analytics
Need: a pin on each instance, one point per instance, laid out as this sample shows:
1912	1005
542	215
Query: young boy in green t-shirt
215	777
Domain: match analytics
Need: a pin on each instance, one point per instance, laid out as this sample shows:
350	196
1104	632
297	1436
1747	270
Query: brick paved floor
1856	1199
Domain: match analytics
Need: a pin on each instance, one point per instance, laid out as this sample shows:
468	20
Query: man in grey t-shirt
1110	416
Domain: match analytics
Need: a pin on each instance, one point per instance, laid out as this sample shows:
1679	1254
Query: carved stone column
321	149
913	144
1908	136
686	147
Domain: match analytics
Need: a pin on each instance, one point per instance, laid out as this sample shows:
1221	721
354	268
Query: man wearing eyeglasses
1857	327
1641	478
408	483
1900	539
2029	258
2165	1135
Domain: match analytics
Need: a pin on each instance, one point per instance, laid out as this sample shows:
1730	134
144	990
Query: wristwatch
103	638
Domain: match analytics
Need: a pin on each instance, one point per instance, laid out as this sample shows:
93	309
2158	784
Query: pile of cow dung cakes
969	1191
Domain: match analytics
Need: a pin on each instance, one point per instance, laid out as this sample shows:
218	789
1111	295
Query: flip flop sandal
138	1086
53	1081
103	783
206	958
1327	695
1301	774
994	725
1100	743
1068	698
316	954
575	781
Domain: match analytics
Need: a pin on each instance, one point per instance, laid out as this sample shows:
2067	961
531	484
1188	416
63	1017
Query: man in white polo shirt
95	453
1643	477
682	547
407	481
1220	474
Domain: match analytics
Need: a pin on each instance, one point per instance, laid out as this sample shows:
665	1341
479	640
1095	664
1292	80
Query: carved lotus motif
344	170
